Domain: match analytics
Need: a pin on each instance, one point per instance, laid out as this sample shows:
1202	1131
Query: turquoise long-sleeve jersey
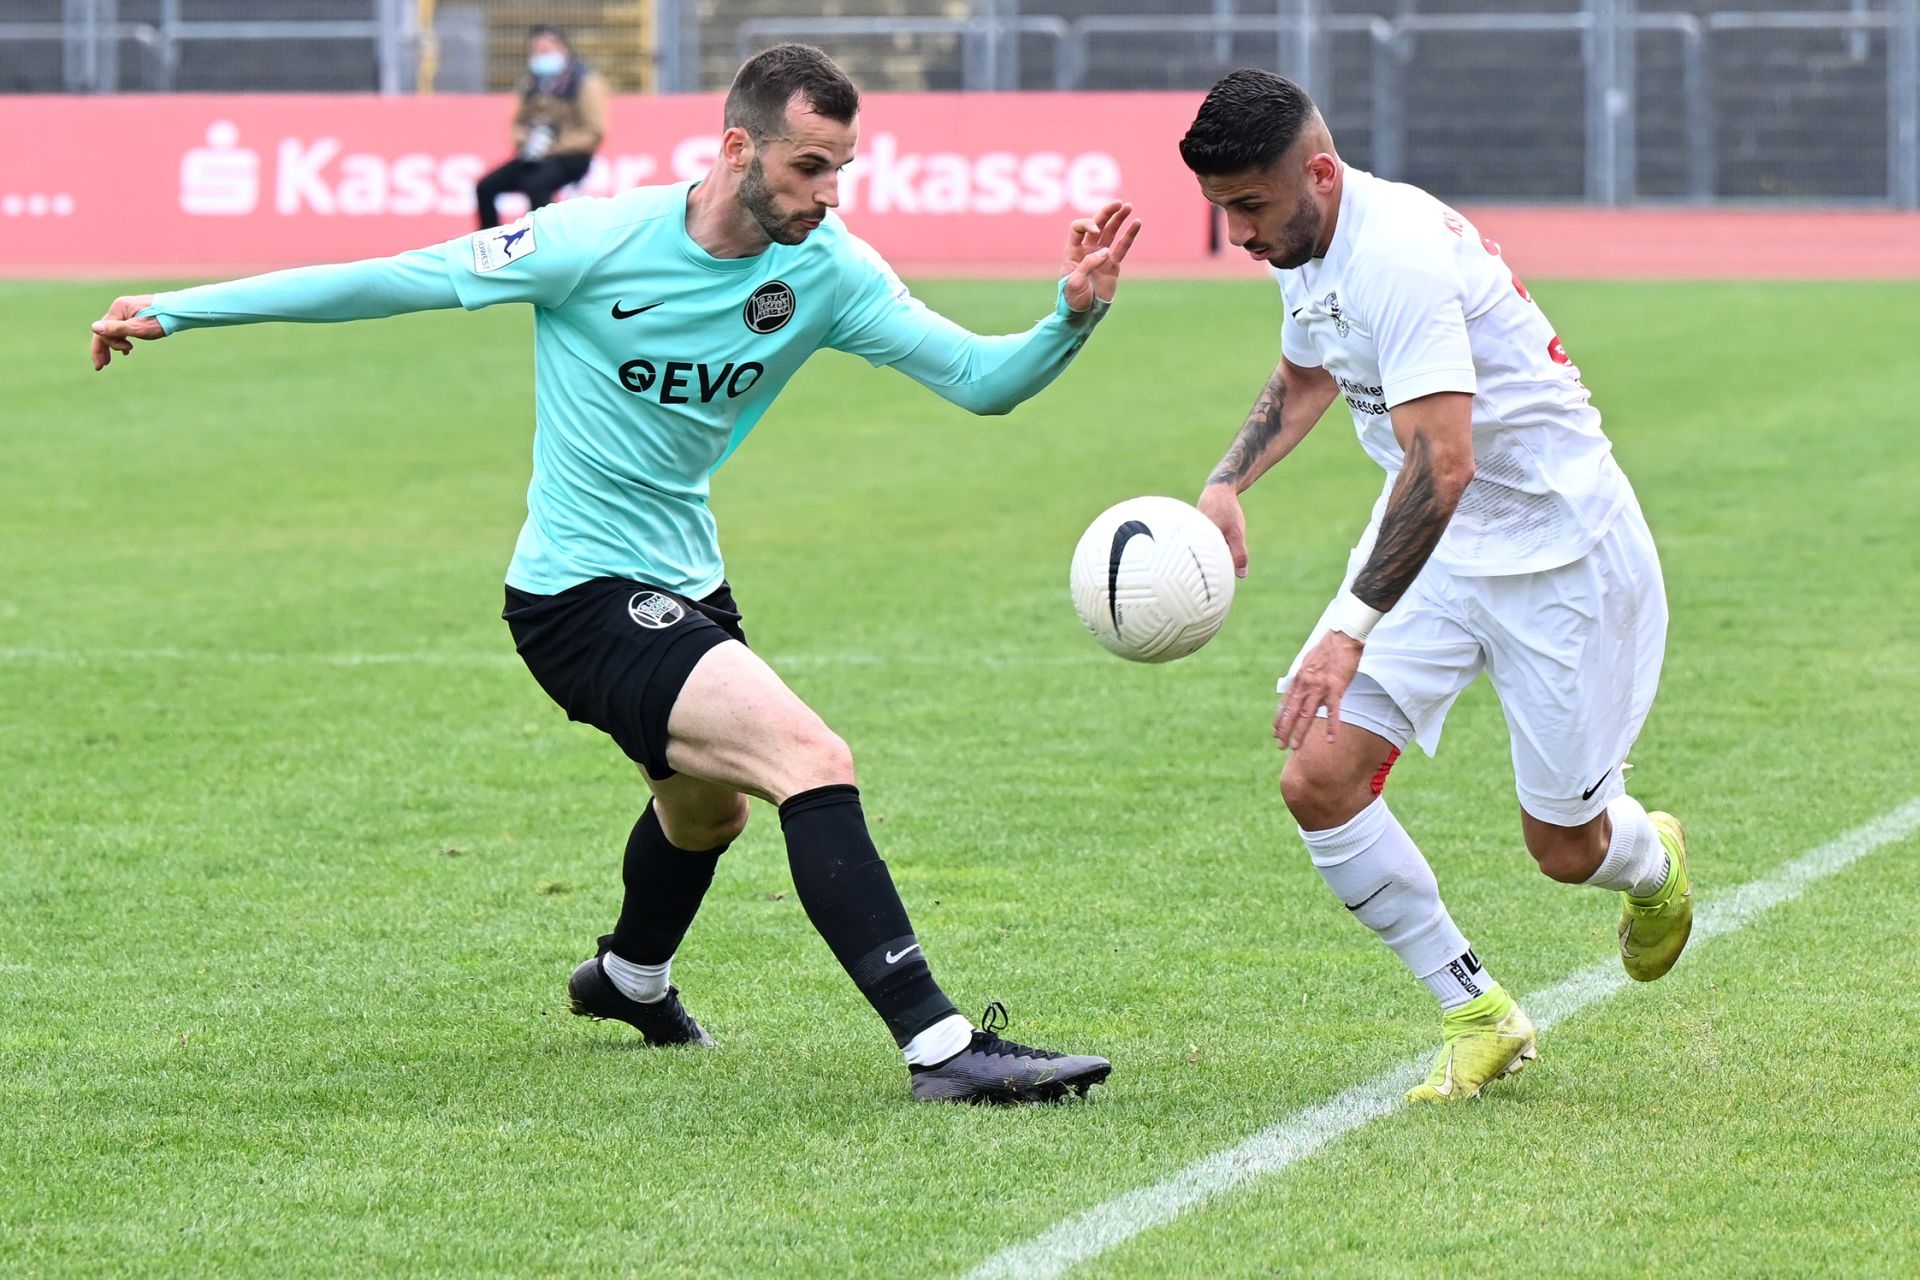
653	360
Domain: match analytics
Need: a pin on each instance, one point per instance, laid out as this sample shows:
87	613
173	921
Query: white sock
1459	980
644	983
1636	861
1380	875
939	1042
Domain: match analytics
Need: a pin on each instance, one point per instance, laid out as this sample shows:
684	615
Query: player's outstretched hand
1096	247
116	330
1321	681
1220	504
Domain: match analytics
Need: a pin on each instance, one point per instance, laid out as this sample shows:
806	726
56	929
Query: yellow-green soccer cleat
1486	1038
1654	931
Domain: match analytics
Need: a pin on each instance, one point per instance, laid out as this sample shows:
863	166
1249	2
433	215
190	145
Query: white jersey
1411	300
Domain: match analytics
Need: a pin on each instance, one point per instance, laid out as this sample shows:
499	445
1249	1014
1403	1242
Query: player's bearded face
792	179
1270	213
1293	242
785	221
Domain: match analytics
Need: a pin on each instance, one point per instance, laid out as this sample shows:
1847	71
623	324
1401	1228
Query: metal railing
1901	22
992	60
991	40
1607	29
90	40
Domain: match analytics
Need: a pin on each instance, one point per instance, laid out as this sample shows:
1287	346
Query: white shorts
1573	653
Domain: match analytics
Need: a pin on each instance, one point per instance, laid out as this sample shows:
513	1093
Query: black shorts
615	654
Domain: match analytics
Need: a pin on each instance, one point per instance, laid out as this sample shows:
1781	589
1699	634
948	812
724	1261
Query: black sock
850	898
665	884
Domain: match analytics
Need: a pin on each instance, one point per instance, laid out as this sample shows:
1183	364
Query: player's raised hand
116	330
1220	504
1096	247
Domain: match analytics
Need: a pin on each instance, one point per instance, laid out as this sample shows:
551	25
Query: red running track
1540	242
1563	242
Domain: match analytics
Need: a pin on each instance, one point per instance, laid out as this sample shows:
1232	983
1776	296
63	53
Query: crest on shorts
769	307
654	610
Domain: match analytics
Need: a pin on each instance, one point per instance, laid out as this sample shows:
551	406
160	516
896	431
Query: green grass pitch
295	858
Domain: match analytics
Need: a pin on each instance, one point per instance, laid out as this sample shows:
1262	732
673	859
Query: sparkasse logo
226	175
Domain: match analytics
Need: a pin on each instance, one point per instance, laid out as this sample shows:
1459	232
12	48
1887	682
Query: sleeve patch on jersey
496	248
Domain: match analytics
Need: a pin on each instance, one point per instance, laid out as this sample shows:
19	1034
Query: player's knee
710	829
1320	794
1569	855
821	759
835	758
1563	857
1556	865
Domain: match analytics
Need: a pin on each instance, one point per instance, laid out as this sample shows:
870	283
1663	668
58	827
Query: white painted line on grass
1108	1225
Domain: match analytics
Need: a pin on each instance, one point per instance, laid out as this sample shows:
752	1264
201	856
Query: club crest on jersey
770	307
1332	303
494	249
654	611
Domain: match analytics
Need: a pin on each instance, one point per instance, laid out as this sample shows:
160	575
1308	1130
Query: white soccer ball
1152	579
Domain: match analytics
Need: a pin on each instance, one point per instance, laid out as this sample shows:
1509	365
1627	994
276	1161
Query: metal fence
1609	101
385	46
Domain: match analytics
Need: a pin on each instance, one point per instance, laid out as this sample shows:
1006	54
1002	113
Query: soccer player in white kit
1506	539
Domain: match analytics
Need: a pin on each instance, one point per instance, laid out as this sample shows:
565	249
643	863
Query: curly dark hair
767	81
1248	121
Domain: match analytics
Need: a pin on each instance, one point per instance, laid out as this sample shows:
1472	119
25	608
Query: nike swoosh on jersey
1121	537
618	314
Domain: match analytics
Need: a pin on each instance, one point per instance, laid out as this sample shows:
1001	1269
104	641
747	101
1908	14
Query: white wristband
1352	616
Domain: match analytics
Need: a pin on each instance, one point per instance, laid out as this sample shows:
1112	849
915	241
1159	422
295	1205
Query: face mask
547	64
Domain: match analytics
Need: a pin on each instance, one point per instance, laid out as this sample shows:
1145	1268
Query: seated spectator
558	125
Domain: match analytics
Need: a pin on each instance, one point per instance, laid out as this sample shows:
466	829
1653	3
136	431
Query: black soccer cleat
591	994
990	1069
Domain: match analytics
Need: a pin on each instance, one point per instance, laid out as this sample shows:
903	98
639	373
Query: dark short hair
1248	121
543	29
767	81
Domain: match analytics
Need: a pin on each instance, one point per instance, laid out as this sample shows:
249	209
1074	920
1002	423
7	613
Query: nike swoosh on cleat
1121	537
1588	793
896	957
618	314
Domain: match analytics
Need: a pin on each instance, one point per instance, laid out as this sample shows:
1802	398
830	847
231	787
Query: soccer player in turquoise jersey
667	319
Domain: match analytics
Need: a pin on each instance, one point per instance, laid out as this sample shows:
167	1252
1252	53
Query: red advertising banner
188	184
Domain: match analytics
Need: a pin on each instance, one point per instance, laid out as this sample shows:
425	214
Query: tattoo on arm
1262	425
1417	514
